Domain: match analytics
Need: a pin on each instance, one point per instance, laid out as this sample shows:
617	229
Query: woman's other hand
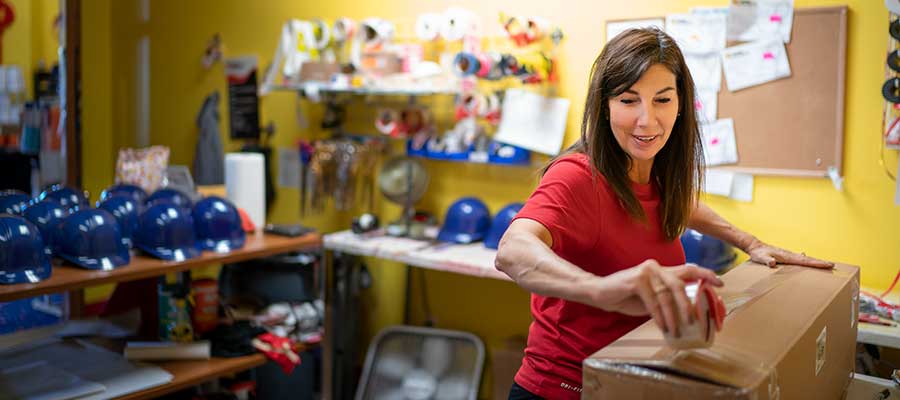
770	255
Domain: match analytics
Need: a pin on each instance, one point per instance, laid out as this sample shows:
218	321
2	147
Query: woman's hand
770	255
650	289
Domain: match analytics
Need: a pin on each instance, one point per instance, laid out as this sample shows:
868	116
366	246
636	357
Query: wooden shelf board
190	373
68	277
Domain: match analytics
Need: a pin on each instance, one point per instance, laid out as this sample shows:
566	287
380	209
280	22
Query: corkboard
795	126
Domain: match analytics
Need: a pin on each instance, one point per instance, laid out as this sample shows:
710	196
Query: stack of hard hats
61	223
468	220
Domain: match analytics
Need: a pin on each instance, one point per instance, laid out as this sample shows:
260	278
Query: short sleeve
566	202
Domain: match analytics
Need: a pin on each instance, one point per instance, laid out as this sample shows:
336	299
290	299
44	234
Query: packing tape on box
719	364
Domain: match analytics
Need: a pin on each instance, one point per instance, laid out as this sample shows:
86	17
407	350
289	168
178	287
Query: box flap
768	311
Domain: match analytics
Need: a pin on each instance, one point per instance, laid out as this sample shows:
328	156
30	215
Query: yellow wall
857	226
30	37
18	41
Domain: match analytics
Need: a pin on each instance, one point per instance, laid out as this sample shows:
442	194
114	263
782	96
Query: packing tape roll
893	60
709	314
457	24
893	6
321	33
466	64
245	184
536	29
891	90
376	31
428	26
344	28
387	122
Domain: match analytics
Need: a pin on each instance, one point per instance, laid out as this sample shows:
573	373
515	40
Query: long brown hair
678	167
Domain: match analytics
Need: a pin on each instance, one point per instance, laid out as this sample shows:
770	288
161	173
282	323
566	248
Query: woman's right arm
525	255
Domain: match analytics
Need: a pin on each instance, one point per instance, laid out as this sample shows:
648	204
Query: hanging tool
306	153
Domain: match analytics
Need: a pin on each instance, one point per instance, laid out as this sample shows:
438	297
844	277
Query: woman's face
642	117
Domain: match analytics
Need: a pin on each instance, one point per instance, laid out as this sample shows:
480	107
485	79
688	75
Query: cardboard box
506	361
790	334
318	71
380	63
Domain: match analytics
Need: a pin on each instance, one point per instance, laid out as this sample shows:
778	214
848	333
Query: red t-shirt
591	230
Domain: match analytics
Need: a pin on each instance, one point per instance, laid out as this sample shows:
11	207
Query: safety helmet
467	220
500	223
125	189
90	238
23	256
500	153
170	196
707	251
67	197
217	224
126	210
13	202
166	231
48	217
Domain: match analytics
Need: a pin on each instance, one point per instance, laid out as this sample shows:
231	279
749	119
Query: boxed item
318	71
380	63
789	333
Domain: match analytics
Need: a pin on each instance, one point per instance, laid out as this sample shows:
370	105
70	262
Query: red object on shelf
205	315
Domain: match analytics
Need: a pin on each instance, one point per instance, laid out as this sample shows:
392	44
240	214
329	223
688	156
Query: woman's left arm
707	222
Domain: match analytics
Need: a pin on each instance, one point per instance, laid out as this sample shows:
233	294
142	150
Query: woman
597	242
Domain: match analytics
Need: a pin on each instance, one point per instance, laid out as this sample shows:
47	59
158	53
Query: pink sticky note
715	141
768	56
775	18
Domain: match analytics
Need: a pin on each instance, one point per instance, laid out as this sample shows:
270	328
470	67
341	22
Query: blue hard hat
48	217
170	196
500	153
467	221
218	225
90	238
500	223
126	210
707	251
23	256
67	197
125	189
13	202
166	231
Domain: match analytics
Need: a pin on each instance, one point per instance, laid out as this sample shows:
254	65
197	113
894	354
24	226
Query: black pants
519	393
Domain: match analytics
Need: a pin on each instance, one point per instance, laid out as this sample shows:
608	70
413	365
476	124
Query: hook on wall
213	52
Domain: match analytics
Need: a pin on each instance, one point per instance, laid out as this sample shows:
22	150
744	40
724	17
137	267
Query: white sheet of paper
706	70
719	146
616	27
697	33
289	168
718	182
742	187
706	103
752	20
754	63
532	121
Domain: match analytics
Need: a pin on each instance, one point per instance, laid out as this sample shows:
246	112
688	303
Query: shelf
68	277
190	373
323	88
467	259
